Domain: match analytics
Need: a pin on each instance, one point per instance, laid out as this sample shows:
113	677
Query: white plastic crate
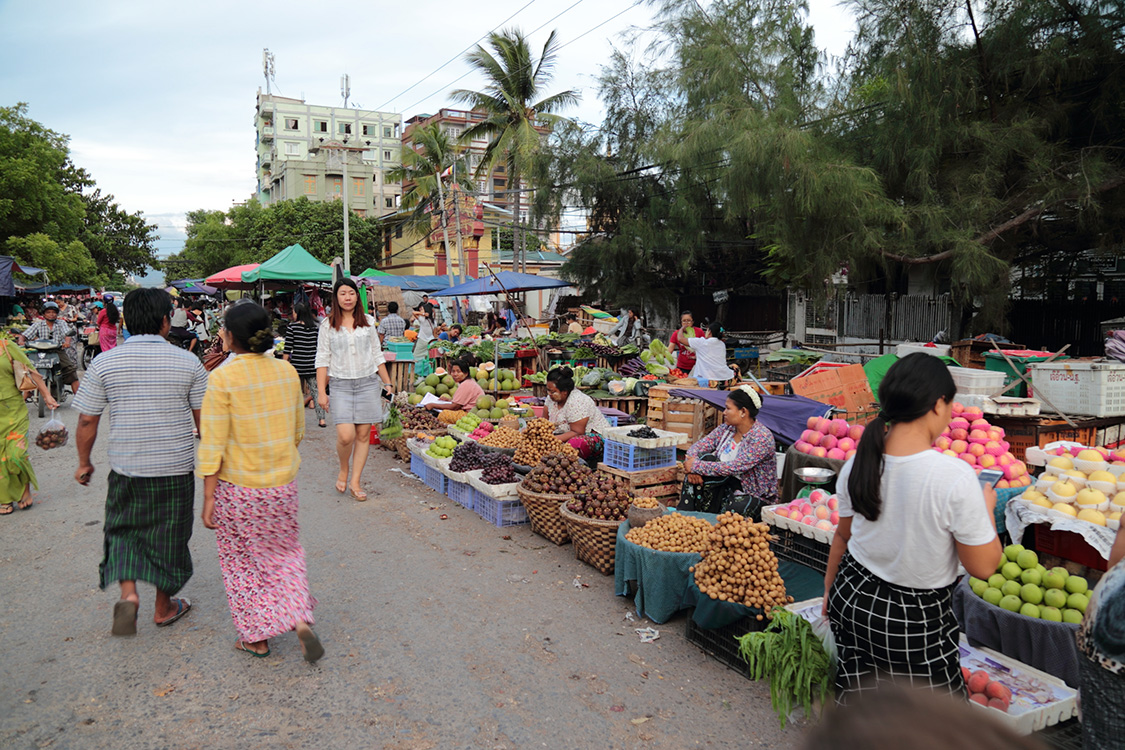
936	350
1089	388
978	382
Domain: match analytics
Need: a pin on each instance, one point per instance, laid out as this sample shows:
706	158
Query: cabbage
591	380
656	369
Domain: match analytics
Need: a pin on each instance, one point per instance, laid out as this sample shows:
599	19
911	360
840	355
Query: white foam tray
665	439
803	529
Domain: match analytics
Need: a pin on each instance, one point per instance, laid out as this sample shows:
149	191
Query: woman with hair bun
577	419
737	456
253	420
908	516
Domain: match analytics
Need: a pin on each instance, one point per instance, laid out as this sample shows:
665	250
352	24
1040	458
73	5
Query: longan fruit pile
739	566
538	441
647	502
673	532
502	437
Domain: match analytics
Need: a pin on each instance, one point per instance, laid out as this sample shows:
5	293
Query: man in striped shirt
391	325
154	393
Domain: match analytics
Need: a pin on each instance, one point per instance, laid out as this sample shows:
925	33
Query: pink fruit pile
829	438
483	430
986	691
819	509
973	440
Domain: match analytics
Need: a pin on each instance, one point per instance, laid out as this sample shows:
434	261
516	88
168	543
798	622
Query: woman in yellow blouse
253	419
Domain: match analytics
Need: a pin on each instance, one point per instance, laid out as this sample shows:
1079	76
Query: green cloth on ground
661	577
801	583
876	369
148	523
16	472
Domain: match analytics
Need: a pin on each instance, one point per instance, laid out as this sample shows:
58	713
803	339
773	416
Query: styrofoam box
664	438
937	350
1004	406
973	381
812	532
1093	388
1039	700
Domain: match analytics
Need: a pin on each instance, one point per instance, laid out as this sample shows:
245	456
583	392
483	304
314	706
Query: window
360	212
390	203
500	169
398	229
336	186
387	156
359	187
292	149
320	126
499	184
345	128
310	184
388	132
368	129
291	124
369	155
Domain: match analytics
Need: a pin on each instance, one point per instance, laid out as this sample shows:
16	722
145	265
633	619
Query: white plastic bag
53	434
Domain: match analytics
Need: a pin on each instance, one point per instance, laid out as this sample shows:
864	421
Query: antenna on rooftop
268	68
345	87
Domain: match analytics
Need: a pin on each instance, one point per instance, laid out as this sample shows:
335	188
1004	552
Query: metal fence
912	317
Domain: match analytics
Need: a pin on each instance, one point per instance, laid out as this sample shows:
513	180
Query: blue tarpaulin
511	281
9	264
409	283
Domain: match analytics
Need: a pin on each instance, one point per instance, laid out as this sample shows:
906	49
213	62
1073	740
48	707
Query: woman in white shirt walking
908	514
349	357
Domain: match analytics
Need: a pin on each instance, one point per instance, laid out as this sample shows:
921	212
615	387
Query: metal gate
912	317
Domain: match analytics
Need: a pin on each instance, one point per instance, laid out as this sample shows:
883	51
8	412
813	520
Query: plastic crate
499	512
1090	388
995	362
435	480
612	419
461	493
720	643
789	545
934	350
980	382
418	466
631	458
1066	735
1069	546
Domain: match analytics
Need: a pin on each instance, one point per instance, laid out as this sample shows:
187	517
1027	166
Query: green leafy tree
514	106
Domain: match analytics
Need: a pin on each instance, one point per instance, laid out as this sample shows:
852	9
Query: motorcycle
90	346
44	356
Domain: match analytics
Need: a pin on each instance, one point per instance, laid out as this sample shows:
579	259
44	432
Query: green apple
1060	570
1052	614
1078	602
1054	581
1011	571
1073	616
1010	588
1012	551
992	596
1027	559
996	580
1055	598
977	585
1011	603
1032	576
1076	585
1030	610
1031	593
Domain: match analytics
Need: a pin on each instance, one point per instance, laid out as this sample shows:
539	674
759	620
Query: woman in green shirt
16	474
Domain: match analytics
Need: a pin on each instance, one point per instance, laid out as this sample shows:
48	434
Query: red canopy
230	278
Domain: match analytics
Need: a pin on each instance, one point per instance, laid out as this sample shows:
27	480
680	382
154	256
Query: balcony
267	132
266	159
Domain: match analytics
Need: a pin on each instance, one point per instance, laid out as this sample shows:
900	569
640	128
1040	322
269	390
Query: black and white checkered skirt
886	632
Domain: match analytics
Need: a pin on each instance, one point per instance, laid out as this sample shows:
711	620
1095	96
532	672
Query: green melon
432	379
441	389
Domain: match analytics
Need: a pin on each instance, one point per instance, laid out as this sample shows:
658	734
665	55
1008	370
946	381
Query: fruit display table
1047	646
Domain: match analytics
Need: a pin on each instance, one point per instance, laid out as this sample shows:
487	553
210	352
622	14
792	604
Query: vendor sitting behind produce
575	414
450	333
738	456
711	355
468	390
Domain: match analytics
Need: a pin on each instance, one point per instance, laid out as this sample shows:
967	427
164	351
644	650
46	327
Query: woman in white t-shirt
908	515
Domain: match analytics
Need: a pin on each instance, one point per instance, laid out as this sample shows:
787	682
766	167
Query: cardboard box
843	387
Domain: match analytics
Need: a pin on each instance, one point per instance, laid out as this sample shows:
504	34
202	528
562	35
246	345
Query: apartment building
301	150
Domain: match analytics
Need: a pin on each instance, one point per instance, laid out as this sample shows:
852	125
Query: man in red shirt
685	357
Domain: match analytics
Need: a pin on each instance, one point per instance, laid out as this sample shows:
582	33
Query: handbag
21	372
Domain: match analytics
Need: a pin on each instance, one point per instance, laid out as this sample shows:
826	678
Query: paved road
439	634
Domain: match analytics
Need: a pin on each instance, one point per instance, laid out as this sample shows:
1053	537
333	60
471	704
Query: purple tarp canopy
785	416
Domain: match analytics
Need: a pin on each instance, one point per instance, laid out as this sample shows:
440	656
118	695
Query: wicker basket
403	449
543	512
595	542
638	517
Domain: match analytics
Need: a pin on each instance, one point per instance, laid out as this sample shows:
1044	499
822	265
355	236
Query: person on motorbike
50	328
180	332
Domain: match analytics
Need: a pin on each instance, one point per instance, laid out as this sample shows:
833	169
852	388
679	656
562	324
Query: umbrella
511	281
193	286
231	278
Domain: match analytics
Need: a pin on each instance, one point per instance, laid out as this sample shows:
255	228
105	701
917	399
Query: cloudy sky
158	98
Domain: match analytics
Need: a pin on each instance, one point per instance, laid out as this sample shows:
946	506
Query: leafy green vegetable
794	356
791	655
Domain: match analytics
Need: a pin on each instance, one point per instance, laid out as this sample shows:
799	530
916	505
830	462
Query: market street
439	634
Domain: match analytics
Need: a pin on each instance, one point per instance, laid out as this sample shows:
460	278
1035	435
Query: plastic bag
53	434
822	629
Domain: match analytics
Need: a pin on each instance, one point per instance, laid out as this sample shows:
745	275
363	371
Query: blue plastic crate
628	457
461	493
499	512
611	419
418	466
435	480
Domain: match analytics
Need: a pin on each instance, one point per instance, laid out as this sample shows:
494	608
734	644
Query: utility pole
457	218
347	199
343	151
444	224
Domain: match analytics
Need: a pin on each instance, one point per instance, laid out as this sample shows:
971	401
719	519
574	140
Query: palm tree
431	164
514	81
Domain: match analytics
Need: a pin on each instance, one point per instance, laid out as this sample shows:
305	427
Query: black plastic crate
797	548
720	643
1066	735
